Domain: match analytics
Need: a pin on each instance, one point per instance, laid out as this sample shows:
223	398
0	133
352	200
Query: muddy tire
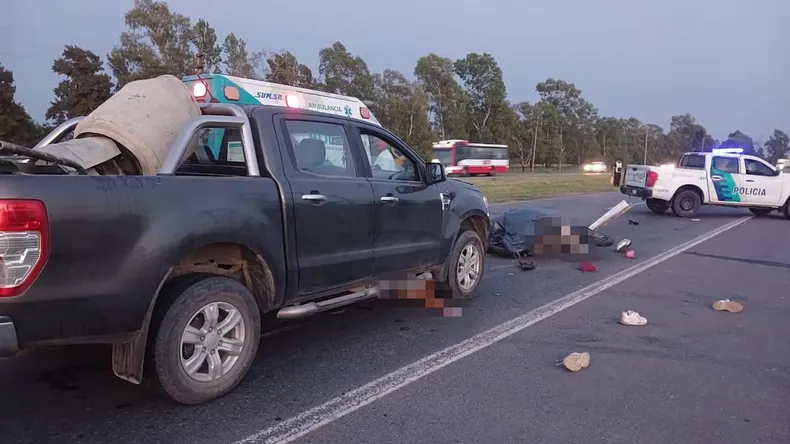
467	264
686	204
657	206
191	360
761	212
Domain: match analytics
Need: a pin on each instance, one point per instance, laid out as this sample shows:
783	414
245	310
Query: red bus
465	158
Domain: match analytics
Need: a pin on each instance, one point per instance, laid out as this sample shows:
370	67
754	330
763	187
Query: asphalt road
691	375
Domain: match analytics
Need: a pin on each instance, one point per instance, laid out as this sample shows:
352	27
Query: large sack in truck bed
145	117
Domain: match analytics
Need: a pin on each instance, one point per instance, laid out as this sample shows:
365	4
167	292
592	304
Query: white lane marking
310	420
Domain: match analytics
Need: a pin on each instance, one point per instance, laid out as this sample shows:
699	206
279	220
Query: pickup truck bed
140	261
113	239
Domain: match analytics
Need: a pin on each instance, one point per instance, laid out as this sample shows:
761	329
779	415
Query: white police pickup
724	177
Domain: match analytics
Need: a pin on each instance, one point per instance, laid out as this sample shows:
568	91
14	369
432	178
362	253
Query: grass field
526	186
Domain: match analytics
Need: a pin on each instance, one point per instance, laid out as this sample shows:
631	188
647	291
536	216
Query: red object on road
630	254
587	267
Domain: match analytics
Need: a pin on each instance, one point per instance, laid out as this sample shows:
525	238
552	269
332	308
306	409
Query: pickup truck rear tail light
24	244
652	177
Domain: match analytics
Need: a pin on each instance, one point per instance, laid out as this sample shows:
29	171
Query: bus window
445	156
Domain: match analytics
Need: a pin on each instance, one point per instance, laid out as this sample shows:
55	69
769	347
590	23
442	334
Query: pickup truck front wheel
686	204
206	340
467	265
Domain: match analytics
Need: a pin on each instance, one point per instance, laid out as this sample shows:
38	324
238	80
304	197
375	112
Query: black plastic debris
632	222
526	264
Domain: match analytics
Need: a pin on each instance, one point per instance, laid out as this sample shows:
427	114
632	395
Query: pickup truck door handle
392	200
715	178
314	197
750	180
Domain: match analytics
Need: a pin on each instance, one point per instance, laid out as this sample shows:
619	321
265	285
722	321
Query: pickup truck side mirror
435	172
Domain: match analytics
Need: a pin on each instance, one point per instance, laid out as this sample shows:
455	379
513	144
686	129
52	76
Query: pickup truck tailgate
635	176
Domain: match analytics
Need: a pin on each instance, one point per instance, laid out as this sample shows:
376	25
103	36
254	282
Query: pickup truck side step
311	308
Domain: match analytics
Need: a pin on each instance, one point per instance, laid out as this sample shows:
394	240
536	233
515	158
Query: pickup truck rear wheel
467	263
206	340
686	204
786	209
657	205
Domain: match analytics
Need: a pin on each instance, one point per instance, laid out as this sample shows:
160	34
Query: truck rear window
692	161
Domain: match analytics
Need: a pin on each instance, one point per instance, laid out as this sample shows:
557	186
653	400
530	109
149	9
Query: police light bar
728	150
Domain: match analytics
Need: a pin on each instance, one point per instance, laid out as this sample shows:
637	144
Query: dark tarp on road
517	231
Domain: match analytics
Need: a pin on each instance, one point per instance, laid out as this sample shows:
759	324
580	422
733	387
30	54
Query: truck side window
693	161
217	146
726	164
387	161
320	148
755	168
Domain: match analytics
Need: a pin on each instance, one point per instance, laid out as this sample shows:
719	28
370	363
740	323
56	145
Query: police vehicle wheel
761	212
686	204
657	205
204	338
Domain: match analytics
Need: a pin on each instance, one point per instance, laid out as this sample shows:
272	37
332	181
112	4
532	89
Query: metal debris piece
616	211
623	245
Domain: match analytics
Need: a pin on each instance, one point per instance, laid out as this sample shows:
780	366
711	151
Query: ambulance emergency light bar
200	90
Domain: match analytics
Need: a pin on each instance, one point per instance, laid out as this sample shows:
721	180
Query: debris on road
728	305
587	267
526	264
623	245
632	222
630	254
615	212
631	317
576	361
695	220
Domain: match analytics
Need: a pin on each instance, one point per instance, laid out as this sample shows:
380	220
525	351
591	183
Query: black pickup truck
176	270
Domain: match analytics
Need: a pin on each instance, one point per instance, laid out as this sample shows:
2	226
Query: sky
727	62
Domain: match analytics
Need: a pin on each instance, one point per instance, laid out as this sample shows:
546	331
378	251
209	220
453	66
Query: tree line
449	99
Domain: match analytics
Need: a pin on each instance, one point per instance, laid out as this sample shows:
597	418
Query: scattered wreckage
524	232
